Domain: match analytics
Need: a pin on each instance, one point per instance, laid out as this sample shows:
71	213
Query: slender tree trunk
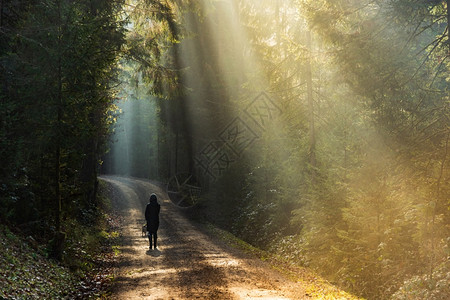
448	26
57	184
277	18
156	159
1	13
181	113
436	207
309	87
41	186
58	241
58	129
88	172
346	126
176	152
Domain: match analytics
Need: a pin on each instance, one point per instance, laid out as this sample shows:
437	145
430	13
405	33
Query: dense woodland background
352	179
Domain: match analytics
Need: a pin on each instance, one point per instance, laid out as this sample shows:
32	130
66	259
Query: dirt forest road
189	264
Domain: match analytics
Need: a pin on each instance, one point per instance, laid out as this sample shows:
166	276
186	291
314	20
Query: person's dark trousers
155	237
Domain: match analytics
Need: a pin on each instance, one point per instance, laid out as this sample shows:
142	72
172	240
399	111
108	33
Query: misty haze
297	149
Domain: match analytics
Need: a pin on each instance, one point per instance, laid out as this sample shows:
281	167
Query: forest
317	129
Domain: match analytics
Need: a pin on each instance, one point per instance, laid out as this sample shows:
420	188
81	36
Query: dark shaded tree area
58	70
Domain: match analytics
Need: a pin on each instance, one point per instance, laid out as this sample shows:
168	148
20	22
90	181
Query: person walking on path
152	217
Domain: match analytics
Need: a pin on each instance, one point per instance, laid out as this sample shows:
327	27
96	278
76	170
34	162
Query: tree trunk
57	186
448	27
89	170
58	129
176	152
309	87
58	241
1	13
437	207
182	115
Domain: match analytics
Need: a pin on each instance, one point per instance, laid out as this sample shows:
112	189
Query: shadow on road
154	252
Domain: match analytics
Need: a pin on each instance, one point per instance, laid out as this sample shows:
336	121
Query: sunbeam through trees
317	130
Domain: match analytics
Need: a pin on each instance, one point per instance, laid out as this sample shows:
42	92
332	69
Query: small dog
144	230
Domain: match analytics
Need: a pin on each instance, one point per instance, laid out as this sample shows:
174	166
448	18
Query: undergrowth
86	268
25	273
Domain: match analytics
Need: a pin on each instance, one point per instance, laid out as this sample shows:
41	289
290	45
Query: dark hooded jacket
152	214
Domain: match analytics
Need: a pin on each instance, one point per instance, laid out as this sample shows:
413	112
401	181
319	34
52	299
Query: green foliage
154	31
58	69
291	248
255	222
434	286
86	244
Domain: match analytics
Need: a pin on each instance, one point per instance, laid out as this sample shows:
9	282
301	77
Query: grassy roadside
87	267
315	286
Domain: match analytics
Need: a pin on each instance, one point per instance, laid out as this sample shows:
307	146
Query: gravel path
189	264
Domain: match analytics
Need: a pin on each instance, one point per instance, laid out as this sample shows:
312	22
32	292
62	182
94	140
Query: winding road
188	264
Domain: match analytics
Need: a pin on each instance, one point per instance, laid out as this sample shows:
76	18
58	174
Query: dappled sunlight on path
188	264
